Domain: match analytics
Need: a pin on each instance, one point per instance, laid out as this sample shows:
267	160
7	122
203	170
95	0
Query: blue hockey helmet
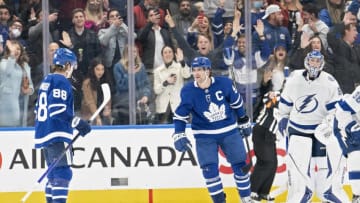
201	62
314	67
64	56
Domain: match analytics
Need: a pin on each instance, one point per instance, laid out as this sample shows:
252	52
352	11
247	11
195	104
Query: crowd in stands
168	35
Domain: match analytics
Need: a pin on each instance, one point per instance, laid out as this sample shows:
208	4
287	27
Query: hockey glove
353	133
81	125
181	142
244	124
282	126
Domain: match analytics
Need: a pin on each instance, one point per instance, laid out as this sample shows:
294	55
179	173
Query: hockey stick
229	56
107	95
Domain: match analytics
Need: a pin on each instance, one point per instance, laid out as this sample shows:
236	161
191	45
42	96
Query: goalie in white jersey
347	131
309	95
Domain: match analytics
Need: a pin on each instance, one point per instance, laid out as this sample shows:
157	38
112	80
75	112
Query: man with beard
313	25
184	18
274	32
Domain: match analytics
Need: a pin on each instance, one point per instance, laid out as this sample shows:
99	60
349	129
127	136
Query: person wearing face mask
15	30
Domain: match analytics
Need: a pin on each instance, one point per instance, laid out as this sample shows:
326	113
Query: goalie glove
324	130
81	125
181	142
353	133
282	126
245	127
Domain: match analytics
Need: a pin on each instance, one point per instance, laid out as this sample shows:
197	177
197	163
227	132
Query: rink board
118	164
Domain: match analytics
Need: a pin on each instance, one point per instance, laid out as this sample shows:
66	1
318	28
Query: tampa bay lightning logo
306	104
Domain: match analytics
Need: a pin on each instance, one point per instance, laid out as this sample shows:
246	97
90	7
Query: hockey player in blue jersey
347	131
55	121
309	95
217	115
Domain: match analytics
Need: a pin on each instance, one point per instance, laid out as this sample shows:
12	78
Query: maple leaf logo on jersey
215	113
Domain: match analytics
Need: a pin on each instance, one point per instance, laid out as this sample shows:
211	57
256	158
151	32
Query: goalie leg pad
213	183
298	162
354	171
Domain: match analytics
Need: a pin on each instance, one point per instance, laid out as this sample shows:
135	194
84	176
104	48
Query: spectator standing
204	46
184	18
113	40
210	7
5	17
95	15
293	9
15	84
274	32
333	12
86	46
152	38
66	8
93	95
241	74
36	37
308	44
37	75
141	10
15	30
313	25
345	54
142	88
120	5
168	81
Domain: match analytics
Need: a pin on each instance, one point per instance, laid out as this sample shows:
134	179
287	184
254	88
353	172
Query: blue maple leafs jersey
54	111
214	110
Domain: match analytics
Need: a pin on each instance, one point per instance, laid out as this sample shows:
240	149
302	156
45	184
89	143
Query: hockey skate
246	200
356	199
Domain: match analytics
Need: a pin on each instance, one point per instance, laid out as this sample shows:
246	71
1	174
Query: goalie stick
229	56
107	95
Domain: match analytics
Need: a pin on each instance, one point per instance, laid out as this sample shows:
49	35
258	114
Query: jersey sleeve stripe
61	108
236	104
53	135
282	100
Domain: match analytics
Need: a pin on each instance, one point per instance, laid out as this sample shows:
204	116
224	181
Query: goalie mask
314	62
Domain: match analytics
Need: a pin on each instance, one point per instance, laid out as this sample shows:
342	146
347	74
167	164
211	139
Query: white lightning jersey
306	102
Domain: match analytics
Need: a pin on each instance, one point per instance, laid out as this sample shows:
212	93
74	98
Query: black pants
266	160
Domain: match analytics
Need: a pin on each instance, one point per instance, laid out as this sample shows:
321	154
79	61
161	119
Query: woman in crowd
95	17
142	88
15	85
168	81
307	45
93	95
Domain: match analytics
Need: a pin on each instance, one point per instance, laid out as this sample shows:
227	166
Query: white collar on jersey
212	82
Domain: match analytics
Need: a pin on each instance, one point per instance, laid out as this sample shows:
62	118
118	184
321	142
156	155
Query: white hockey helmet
314	62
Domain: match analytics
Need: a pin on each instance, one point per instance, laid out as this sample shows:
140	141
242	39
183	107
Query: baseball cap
273	8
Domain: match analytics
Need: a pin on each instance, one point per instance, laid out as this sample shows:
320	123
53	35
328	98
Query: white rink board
149	160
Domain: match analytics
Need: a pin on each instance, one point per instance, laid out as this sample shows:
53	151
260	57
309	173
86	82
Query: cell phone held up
200	17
